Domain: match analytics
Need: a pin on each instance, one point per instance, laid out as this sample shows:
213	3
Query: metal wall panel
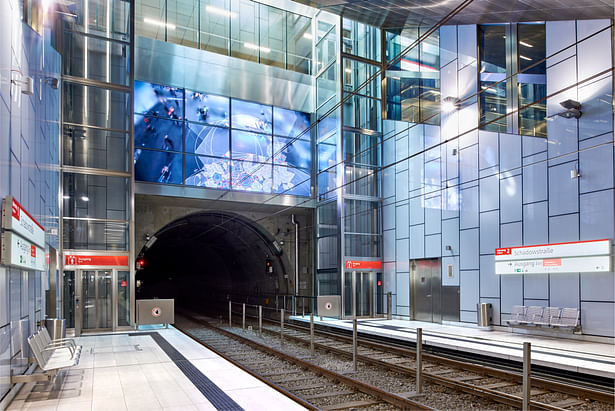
489	193
468	207
510	153
389	245
560	34
512	292
535	287
511	235
469	293
489	282
597	215
417	241
468	249
402	250
535	179
597	286
563	228
468	164
563	190
179	66
598	318
433	244
401	219
564	290
596	99
511	198
450	237
446	280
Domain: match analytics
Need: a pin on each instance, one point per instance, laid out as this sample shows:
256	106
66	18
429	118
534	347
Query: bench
50	355
545	317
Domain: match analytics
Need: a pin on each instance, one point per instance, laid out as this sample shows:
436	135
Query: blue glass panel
251	146
290	123
292	153
158	166
207	140
251	116
159	101
326	156
209	172
158	133
287	180
205	108
248	176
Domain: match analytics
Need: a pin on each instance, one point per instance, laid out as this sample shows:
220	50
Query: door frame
436	318
80	304
372	278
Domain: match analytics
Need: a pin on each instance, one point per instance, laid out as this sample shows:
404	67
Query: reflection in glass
492	55
123	298
183	22
251	116
272	30
215	25
158	166
248	176
532	81
206	108
251	146
208	172
207	140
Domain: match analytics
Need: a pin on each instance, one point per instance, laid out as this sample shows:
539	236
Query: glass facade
532	80
413	80
492	69
239	28
188	137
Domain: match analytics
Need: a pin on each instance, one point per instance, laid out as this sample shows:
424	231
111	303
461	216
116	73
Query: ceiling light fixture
159	23
523	43
220	12
255	47
524	58
308	36
450	104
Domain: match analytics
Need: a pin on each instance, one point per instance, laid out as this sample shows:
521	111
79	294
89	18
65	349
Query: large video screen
207	140
251	116
248	176
208	172
291	152
159	101
158	166
206	108
203	140
289	123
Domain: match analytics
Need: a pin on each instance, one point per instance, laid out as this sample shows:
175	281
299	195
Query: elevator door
96	297
425	289
358	294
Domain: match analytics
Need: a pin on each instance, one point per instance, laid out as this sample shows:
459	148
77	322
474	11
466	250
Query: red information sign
364	265
96	260
124	283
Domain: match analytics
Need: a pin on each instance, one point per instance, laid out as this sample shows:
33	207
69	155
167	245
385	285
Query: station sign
580	256
16	219
19	252
363	265
96	260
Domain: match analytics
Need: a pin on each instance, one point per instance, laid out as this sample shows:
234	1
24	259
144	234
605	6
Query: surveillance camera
53	82
571	104
570	113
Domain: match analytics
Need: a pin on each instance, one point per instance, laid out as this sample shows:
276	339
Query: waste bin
484	315
56	327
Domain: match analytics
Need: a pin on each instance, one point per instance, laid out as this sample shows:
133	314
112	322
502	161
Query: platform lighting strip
255	47
220	12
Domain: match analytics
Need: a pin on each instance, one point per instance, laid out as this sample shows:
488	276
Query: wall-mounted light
52	82
159	23
448	248
25	82
573	109
84	198
450	104
574	173
454	151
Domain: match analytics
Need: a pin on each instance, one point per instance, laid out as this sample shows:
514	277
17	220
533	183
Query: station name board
19	252
581	256
16	219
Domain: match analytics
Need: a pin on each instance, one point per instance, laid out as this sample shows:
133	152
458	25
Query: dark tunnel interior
205	258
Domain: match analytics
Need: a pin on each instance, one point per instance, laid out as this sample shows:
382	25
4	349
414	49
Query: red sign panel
364	265
553	262
98	260
33	250
124	283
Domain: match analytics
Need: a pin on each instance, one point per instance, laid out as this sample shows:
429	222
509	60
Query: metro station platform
575	355
153	369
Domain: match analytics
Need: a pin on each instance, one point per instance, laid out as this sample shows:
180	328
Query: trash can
56	327
484	315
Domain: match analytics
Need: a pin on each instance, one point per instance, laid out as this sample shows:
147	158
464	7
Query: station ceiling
390	14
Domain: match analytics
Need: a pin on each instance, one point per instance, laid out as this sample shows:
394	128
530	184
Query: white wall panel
598	318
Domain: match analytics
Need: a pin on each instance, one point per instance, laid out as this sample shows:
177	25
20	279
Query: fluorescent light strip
524	58
523	43
159	23
220	12
308	36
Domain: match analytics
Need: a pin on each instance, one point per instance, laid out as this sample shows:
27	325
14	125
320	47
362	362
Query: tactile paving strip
211	391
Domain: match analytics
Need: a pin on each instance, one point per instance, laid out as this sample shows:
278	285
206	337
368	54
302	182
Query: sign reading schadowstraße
580	256
16	219
19	252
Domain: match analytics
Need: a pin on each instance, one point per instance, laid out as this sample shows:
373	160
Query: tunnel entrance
206	257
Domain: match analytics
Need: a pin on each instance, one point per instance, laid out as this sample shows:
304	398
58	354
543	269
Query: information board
18	220
16	251
581	256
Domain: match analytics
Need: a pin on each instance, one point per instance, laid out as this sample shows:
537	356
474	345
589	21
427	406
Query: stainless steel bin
484	315
56	327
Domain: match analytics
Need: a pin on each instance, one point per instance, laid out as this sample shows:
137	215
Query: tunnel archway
208	256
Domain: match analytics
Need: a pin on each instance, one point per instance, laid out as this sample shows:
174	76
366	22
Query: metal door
94	298
425	290
358	294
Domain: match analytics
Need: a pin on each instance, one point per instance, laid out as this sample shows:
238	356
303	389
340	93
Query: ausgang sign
19	252
16	219
581	256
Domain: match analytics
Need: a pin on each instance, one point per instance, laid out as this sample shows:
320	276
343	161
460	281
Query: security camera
570	113
571	104
53	82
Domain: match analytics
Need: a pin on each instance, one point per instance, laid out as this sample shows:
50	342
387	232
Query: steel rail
538	382
388	397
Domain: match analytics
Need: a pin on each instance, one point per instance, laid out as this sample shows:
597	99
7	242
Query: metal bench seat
569	318
517	315
532	314
68	343
549	315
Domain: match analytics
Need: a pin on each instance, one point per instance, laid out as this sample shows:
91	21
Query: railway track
502	386
312	386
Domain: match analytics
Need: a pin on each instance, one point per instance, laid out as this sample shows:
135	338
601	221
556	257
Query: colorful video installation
220	143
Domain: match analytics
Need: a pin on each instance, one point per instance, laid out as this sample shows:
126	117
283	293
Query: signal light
268	266
140	263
